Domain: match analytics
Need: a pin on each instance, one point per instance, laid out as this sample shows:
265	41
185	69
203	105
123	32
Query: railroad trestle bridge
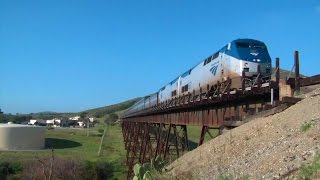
162	130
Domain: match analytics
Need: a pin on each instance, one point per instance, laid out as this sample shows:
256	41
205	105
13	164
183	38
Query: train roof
247	40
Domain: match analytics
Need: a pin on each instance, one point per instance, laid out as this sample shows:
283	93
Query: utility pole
87	127
297	73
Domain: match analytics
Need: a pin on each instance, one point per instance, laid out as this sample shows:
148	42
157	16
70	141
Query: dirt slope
266	148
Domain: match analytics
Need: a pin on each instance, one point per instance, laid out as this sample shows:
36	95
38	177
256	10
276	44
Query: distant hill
50	115
102	111
97	112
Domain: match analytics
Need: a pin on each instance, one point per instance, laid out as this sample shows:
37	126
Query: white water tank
21	137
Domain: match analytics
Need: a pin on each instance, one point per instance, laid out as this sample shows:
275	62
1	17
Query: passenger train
236	57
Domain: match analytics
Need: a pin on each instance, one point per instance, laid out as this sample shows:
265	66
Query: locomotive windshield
248	45
253	51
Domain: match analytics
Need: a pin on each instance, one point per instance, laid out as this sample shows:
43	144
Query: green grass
306	126
194	133
75	144
311	171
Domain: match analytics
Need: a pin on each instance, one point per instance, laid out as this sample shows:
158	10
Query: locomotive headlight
268	65
246	67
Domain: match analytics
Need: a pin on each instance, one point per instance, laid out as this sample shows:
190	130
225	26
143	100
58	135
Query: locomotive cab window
243	45
207	61
211	58
215	55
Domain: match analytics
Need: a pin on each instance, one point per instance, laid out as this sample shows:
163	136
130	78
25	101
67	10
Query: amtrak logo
213	69
254	53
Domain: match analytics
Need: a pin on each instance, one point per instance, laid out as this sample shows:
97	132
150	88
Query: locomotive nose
251	69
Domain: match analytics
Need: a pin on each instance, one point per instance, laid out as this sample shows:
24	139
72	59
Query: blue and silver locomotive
237	58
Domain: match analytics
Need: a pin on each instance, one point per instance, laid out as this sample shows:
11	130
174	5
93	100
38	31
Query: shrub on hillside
8	170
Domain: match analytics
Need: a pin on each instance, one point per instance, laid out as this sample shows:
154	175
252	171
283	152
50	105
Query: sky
69	56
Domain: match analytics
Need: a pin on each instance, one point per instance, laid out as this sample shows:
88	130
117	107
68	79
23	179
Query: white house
36	121
76	118
50	122
81	124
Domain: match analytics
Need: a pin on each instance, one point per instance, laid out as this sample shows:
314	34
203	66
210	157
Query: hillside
102	111
274	147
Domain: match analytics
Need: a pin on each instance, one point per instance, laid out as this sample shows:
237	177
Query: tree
97	115
83	114
112	118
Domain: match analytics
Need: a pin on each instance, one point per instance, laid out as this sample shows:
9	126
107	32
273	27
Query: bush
8	169
111	118
104	170
59	168
101	131
66	169
148	170
98	170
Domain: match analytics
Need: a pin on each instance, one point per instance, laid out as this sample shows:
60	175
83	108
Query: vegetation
24	118
306	126
111	118
311	171
58	168
18	119
83	114
51	115
9	169
73	147
194	133
225	177
142	172
147	171
102	112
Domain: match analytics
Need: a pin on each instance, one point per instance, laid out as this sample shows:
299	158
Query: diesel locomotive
241	59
